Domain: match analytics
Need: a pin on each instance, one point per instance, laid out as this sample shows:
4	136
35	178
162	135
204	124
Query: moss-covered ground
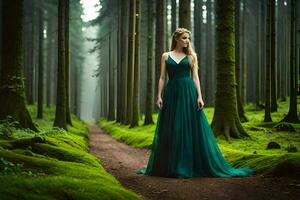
249	152
52	164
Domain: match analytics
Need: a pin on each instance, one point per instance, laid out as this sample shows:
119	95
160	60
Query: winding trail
122	161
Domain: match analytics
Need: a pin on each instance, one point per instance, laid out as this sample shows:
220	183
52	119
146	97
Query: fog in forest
88	81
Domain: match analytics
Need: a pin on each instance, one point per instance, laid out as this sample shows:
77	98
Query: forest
79	82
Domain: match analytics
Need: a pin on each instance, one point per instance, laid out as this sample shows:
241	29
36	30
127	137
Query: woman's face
183	40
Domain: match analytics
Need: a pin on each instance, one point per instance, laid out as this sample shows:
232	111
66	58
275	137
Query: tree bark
240	107
131	45
268	117
209	64
273	59
111	96
185	14
60	114
119	67
197	30
136	76
50	61
159	40
244	66
226	120
149	95
41	62
12	93
30	77
124	59
292	115
174	15
67	60
1	30
259	55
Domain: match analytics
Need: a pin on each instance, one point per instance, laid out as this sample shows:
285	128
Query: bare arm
162	80
197	82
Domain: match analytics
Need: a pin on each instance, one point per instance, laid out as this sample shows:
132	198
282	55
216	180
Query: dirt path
122	161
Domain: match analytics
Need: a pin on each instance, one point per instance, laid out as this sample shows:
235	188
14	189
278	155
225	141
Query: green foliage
9	168
53	131
7	127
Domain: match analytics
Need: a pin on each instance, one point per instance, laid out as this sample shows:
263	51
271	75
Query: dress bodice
177	70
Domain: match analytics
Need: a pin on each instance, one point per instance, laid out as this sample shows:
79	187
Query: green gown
184	145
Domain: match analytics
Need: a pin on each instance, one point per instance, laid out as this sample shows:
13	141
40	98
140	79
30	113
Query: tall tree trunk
105	94
159	40
12	93
111	96
209	74
26	46
1	30
131	45
213	51
136	76
167	32
226	120
61	99
279	53
185	14
240	107
30	72
268	117
273	59
50	60
149	95
243	94
263	52
259	55
124	59
67	60
283	53
173	15
198	31
119	67
102	94
41	62
292	115
286	54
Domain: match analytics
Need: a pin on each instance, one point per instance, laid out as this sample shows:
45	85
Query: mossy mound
283	126
289	167
54	164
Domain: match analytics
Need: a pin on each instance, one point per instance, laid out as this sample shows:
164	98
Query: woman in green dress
184	145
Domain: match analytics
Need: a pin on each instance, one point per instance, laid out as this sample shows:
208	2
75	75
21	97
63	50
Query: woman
184	145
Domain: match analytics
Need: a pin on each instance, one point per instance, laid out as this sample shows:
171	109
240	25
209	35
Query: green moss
249	152
60	187
139	137
61	165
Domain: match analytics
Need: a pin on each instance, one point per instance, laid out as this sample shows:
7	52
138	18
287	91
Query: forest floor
53	163
122	161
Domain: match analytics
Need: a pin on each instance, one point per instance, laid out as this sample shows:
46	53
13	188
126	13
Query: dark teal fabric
184	145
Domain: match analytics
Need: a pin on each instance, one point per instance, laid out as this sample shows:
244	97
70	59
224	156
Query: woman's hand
159	102
200	103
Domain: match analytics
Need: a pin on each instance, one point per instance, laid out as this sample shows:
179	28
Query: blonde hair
189	51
